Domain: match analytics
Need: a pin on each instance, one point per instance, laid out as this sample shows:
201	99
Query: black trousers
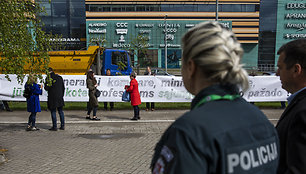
136	111
111	104
5	106
148	105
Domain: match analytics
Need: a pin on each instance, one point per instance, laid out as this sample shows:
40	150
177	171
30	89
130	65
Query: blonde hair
31	79
217	52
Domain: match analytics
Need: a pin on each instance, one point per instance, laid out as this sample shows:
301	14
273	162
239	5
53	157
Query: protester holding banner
33	103
111	104
91	83
149	73
222	133
291	126
135	96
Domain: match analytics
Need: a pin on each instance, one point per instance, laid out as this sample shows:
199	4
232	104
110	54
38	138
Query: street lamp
166	42
217	9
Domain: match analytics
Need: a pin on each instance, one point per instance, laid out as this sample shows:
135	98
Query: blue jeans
136	111
61	114
32	119
94	110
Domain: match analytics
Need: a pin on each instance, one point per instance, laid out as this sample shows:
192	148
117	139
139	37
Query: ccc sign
122	25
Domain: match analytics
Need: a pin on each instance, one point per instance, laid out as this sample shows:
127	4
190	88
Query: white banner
151	88
265	88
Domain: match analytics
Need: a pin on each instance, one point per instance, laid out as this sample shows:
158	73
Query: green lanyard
214	97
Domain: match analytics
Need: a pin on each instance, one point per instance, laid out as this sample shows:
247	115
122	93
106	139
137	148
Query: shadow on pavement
116	117
20	127
111	136
75	116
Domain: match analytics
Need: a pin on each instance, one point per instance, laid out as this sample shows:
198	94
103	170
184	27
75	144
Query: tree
24	45
140	43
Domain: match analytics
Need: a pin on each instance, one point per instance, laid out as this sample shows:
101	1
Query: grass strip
127	105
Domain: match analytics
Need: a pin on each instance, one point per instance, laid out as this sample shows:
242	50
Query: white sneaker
35	129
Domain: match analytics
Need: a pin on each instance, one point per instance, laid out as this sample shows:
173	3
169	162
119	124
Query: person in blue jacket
222	133
33	103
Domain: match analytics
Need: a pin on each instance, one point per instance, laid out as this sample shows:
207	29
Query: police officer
222	133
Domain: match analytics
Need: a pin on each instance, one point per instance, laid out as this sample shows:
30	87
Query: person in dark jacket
33	103
222	133
111	104
56	91
135	96
91	83
291	126
148	104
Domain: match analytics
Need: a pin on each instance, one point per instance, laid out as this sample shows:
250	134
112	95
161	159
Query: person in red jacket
135	97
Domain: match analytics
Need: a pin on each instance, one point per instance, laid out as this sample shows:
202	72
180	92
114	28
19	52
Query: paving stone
114	145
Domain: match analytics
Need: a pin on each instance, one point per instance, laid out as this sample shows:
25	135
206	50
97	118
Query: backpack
27	92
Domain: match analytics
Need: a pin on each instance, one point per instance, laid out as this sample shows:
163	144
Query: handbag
97	93
126	96
27	92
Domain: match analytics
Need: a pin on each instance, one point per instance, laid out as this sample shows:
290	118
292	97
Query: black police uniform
220	136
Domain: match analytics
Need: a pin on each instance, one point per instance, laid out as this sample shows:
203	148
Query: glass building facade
262	26
67	19
119	22
267	35
172	7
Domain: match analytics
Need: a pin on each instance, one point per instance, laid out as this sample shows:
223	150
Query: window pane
93	8
106	9
140	8
116	8
59	9
206	8
250	8
130	8
118	58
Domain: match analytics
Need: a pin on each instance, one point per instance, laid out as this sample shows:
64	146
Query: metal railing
266	67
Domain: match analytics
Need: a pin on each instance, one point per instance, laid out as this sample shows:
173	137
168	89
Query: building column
159	60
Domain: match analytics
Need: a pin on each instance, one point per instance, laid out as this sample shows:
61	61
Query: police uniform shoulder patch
167	154
164	160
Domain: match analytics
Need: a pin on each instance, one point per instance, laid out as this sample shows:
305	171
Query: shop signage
296	26
291	21
296	16
300	5
225	24
121	33
66	39
97	25
97	30
144	25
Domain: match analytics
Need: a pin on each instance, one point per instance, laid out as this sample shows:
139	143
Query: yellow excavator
69	62
79	62
73	62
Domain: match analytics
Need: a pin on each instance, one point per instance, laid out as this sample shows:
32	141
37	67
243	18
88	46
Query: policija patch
254	157
163	161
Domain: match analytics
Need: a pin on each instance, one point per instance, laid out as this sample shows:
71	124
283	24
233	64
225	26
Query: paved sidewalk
77	116
114	145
